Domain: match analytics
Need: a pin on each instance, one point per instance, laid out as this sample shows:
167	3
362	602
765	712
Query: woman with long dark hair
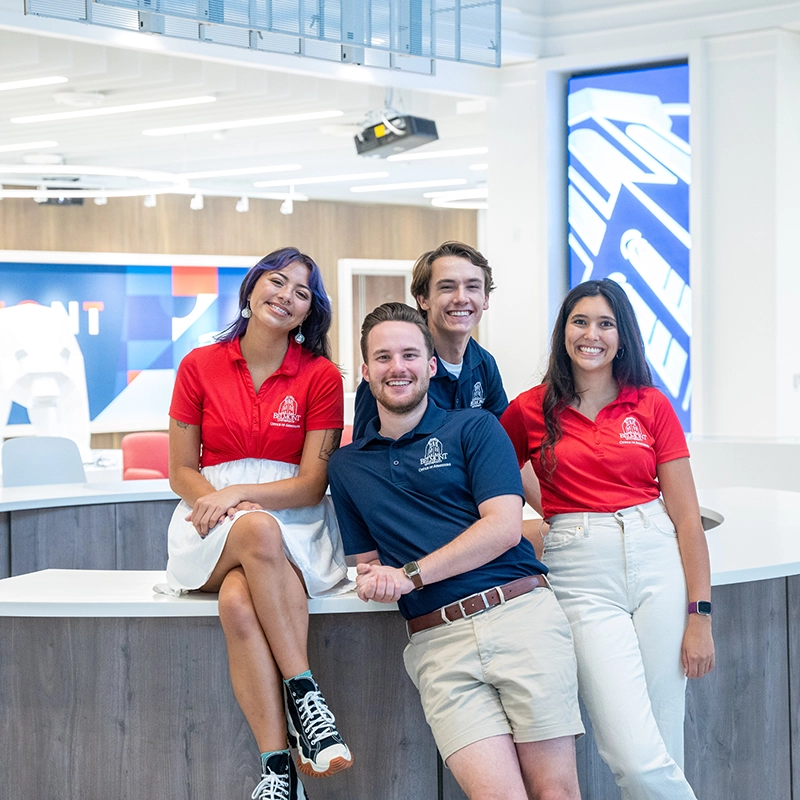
625	547
253	421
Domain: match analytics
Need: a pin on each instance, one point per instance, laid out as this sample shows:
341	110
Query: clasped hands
381	583
210	509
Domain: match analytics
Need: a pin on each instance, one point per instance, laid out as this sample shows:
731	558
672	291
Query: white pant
620	581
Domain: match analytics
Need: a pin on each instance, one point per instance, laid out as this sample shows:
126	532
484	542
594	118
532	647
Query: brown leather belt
476	603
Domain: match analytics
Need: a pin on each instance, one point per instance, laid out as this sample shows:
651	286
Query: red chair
145	456
347	435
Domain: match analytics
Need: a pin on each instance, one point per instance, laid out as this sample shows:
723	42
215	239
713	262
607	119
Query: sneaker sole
338	764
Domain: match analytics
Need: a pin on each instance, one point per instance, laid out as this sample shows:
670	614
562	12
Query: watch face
703	607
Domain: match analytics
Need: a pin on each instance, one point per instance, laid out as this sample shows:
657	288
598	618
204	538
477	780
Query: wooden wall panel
75	537
326	231
358	661
793	621
5	546
737	717
137	709
142	534
594	776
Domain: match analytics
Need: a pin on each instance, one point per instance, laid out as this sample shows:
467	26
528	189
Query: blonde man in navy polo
430	503
451	285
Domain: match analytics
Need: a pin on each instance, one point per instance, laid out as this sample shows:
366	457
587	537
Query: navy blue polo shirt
478	386
406	498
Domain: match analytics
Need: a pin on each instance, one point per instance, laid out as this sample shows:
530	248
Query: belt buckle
486	606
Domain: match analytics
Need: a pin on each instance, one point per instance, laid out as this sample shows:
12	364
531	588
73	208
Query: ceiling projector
391	136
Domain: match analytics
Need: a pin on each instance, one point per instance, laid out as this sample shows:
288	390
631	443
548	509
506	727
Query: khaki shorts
509	670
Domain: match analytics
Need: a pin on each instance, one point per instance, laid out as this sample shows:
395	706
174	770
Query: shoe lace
272	787
316	717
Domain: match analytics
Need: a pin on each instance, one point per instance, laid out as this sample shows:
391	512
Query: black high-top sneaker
312	730
279	779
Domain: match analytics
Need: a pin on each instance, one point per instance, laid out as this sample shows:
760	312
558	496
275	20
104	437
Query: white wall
745	222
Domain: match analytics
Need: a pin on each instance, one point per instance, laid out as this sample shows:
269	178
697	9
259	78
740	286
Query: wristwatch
702	607
412	572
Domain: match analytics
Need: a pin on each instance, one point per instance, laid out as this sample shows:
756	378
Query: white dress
311	537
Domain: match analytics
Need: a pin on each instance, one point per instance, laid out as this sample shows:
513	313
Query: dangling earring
298	337
620	353
246	312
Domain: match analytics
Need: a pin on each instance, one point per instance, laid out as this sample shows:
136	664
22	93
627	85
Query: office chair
41	460
145	456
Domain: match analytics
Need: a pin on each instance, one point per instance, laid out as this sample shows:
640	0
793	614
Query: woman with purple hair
253	421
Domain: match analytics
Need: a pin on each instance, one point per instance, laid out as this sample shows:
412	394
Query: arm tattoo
181	424
330	444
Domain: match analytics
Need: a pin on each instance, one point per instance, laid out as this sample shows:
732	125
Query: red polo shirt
603	465
214	389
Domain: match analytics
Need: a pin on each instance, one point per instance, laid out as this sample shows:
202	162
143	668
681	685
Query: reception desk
111	691
114	525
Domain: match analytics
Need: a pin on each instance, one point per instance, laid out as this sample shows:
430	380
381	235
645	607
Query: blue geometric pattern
629	172
136	323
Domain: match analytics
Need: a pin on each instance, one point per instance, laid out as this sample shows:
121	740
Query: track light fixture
287	206
243	205
150	201
196	203
100	201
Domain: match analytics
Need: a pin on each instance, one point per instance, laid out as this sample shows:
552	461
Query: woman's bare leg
255	677
278	596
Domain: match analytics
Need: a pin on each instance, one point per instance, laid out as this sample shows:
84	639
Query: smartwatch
702	607
412	572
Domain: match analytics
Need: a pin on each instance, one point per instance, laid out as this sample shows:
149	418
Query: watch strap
702	607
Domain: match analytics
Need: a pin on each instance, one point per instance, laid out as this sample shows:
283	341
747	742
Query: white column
751	216
517	239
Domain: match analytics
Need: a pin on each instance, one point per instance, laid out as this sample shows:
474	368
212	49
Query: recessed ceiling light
225	173
241	123
80	99
46	159
464	151
12	148
358	176
31	82
460	198
390	187
479	167
152	176
101	112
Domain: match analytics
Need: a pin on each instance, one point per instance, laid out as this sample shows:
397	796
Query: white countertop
20	498
128	593
759	539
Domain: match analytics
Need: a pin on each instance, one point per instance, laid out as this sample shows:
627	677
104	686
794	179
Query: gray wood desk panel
793	619
141	534
73	537
737	720
138	709
737	730
5	545
450	788
595	778
359	665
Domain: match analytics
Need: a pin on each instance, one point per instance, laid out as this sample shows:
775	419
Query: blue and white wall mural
629	171
134	318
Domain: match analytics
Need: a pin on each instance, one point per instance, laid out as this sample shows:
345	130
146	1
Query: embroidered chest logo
632	432
435	455
478	397
287	413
